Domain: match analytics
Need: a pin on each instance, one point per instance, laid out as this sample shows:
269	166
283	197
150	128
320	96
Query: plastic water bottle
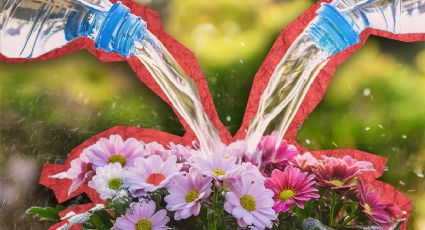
336	27
30	28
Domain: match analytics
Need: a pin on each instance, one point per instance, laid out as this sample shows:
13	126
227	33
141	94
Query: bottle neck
112	31
331	31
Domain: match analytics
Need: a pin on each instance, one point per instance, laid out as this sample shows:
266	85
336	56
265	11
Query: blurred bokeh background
375	103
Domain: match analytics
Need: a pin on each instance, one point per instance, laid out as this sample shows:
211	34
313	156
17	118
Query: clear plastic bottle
30	28
336	27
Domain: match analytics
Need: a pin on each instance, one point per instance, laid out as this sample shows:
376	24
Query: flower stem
332	211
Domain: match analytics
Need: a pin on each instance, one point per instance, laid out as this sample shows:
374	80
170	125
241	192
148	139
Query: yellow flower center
117	158
218	172
155	179
337	183
144	225
367	209
248	203
115	183
286	194
192	196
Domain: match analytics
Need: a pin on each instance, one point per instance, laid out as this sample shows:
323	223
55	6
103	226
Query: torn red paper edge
189	63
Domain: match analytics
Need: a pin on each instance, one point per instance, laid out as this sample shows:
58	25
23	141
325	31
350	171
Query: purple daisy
250	203
151	174
291	187
115	149
186	194
142	216
80	172
382	214
154	148
215	165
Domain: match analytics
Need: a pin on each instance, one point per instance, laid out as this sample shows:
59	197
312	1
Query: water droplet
228	118
366	92
307	141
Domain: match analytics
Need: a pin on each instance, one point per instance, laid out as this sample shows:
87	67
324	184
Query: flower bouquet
146	186
145	179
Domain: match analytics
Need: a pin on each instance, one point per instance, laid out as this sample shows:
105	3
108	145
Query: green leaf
44	213
101	220
120	201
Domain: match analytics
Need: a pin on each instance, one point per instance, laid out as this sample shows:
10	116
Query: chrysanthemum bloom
142	216
335	173
215	165
80	172
291	187
267	153
114	149
108	180
151	174
381	213
304	161
250	203
186	194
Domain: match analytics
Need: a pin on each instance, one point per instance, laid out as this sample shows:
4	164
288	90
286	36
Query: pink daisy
142	216
267	153
151	174
250	203
115	149
186	194
304	161
291	187
335	173
80	172
382	214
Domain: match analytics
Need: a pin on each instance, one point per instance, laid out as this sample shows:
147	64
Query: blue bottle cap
332	31
119	30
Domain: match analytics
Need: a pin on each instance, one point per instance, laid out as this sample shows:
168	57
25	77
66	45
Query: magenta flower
304	161
186	194
291	187
382	214
250	203
151	174
115	149
80	172
336	173
142	216
267	153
